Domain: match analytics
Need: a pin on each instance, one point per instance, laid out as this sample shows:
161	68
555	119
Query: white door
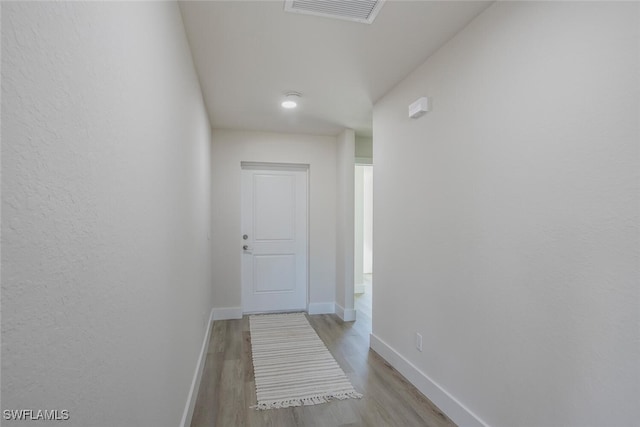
274	240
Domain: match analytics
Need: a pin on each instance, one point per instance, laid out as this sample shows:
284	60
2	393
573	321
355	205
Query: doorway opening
363	240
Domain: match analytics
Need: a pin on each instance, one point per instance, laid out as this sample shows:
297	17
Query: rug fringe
313	400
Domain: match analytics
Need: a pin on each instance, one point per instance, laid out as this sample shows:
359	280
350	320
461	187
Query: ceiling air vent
363	11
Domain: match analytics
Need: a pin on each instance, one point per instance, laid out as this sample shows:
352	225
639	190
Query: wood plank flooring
227	389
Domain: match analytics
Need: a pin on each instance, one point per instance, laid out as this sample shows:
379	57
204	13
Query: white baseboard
459	414
321	308
226	313
348	315
187	415
358	289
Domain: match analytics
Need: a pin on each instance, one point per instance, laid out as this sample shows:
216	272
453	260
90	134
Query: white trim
293	310
321	308
274	166
459	414
187	415
348	315
226	313
359	288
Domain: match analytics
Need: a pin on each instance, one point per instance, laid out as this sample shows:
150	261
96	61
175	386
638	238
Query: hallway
505	206
228	390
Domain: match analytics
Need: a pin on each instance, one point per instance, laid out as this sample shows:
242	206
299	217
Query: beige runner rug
292	366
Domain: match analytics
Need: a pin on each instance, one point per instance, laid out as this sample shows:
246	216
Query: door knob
245	247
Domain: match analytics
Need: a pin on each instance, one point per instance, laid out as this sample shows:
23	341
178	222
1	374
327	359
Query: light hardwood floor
227	389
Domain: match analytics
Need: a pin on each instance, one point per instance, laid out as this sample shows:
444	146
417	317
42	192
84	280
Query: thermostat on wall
419	108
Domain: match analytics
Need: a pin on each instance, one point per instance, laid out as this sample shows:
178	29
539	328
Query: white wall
506	219
228	150
106	278
345	224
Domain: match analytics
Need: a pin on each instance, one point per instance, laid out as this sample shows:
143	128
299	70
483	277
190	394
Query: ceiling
248	54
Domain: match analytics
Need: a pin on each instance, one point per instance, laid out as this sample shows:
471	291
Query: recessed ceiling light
289	104
290	100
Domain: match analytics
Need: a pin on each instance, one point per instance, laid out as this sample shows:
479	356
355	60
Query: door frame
297	167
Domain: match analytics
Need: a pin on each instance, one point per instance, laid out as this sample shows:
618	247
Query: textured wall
232	147
506	219
105	212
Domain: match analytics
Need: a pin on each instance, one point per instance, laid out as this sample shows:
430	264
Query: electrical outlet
418	341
